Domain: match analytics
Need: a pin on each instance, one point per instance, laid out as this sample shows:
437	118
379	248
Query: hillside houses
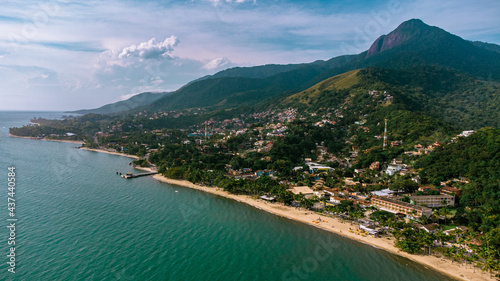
392	169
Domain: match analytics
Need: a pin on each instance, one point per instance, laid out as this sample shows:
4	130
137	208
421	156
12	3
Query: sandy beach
110	152
454	270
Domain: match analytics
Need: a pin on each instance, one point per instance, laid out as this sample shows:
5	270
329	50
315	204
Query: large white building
433	201
396	206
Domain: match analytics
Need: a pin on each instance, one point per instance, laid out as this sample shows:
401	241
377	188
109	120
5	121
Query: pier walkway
130	175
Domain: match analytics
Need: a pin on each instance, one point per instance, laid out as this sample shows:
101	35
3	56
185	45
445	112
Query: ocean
78	220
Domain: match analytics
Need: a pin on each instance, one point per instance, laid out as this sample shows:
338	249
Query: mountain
129	104
474	157
411	34
261	71
487	46
445	94
246	86
407	32
413	43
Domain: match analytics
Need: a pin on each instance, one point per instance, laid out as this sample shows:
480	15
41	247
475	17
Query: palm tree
323	200
444	203
428	239
433	217
440	236
413	213
308	203
424	219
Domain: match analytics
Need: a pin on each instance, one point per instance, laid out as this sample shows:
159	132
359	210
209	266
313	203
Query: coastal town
246	155
251	140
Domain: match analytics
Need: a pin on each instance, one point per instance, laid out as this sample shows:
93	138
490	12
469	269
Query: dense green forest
475	158
446	95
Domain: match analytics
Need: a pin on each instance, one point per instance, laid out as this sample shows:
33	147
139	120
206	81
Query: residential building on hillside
393	168
315	168
384	193
451	191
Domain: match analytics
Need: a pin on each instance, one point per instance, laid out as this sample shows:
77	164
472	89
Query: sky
68	55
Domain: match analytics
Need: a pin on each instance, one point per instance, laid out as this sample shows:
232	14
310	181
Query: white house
318	168
393	168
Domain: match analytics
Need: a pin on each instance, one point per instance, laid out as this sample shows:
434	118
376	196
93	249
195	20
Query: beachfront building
395	206
306	190
433	201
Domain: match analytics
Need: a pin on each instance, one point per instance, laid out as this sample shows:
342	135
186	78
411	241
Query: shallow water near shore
78	220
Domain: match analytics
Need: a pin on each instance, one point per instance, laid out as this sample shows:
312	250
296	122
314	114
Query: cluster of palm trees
462	248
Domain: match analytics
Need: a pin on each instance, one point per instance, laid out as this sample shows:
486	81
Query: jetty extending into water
130	175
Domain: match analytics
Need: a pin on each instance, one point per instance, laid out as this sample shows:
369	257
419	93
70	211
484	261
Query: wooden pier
130	175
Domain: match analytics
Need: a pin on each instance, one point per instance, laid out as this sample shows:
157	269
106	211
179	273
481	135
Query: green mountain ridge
412	44
487	46
136	101
447	95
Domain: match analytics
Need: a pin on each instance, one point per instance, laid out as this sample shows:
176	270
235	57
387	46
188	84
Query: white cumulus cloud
216	63
151	49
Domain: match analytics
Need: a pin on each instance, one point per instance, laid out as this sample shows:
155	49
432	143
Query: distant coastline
110	152
33	138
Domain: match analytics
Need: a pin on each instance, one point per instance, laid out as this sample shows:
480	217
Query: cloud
151	49
216	63
88	53
126	97
218	2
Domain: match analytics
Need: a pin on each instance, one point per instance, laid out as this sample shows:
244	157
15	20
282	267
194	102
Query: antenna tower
385	136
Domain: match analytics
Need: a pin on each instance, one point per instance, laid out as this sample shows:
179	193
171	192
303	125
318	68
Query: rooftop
384	192
401	203
302	189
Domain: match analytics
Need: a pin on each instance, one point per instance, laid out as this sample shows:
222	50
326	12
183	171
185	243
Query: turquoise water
78	220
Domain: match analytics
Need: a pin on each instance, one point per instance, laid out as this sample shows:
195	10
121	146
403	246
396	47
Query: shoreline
334	225
331	224
45	139
109	152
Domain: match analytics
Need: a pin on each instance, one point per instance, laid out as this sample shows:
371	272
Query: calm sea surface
78	220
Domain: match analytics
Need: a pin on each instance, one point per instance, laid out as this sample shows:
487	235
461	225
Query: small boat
176	191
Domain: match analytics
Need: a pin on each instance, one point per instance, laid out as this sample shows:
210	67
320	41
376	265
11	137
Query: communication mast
385	136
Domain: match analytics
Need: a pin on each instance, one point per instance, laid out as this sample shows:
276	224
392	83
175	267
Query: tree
382	216
89	142
444	203
410	241
433	192
409	186
141	152
428	239
424	220
308	203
